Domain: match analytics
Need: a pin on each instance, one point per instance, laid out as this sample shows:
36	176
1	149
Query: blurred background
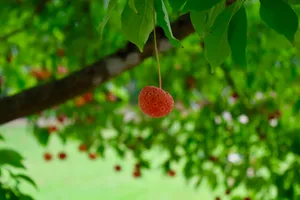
233	133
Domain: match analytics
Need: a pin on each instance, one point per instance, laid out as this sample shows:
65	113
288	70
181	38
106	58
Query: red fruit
88	97
62	70
52	129
118	168
61	118
62	156
235	95
82	148
227	192
110	97
247	198
155	102
137	174
213	158
172	173
47	156
92	156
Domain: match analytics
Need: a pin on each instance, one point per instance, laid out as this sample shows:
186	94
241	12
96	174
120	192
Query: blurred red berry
92	156
227	192
82	147
247	198
118	168
110	97
235	95
62	70
218	198
61	118
137	173
52	129
213	158
88	97
172	173
62	156
47	156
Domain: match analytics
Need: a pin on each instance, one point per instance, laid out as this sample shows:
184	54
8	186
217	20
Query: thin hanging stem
155	46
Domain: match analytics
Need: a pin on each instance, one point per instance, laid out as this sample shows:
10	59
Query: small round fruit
172	173
137	174
82	148
61	118
47	156
88	97
118	168
155	102
52	129
62	156
92	156
227	192
213	158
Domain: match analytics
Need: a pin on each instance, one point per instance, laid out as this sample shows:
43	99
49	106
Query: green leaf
2	193
293	2
25	197
237	37
42	135
164	22
28	179
110	10
132	6
137	28
1	138
199	21
280	17
214	12
217	48
177	4
200	5
11	157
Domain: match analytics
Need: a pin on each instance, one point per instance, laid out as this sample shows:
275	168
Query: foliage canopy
241	121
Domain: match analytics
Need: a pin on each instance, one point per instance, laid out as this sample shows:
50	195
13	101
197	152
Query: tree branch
45	96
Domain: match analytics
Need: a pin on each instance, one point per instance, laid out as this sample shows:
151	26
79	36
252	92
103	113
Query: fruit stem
155	45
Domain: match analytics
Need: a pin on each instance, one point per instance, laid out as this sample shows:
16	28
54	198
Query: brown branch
45	96
38	9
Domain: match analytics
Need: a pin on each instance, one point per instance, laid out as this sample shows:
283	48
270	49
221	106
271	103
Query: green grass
79	178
